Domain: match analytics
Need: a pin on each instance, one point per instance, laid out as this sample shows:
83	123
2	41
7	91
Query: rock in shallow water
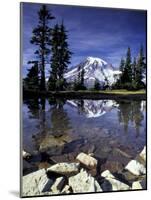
113	166
110	183
84	182
143	154
51	144
136	168
64	168
87	160
36	183
70	157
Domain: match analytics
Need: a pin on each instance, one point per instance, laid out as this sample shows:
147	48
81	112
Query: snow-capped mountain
95	69
93	108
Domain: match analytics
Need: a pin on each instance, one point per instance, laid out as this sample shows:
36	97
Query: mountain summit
95	69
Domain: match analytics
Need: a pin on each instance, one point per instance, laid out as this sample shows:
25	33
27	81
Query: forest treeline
52	49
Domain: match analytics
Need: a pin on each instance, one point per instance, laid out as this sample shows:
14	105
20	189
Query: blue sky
99	32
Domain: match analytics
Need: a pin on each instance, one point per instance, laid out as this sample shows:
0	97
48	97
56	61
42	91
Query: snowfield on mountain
95	69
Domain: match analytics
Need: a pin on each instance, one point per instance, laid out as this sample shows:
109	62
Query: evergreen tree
79	75
41	38
77	80
127	73
32	79
96	85
82	79
120	80
140	69
65	53
134	73
54	59
125	79
75	84
107	84
122	65
60	58
134	69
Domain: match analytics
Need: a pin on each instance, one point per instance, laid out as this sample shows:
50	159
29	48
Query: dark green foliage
122	66
75	84
31	82
96	85
54	59
60	58
79	82
132	72
106	85
140	69
82	78
134	68
126	77
41	38
125	80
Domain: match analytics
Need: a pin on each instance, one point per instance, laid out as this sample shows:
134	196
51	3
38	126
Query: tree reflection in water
36	110
56	121
33	107
60	122
131	111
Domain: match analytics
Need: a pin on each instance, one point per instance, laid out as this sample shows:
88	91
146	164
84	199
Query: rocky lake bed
85	174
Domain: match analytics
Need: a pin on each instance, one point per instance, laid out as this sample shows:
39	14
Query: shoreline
116	95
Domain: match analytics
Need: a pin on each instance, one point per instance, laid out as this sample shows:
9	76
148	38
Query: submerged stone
87	160
143	154
113	166
53	145
64	168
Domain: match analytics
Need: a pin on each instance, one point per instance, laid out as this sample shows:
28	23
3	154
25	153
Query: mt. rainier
95	69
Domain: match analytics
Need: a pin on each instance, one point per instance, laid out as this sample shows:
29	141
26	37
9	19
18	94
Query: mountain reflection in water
93	108
62	128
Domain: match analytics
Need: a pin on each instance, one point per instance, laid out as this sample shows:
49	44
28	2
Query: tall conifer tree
41	38
121	79
127	74
60	58
140	68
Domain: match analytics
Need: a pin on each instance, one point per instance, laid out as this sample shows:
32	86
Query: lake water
56	130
